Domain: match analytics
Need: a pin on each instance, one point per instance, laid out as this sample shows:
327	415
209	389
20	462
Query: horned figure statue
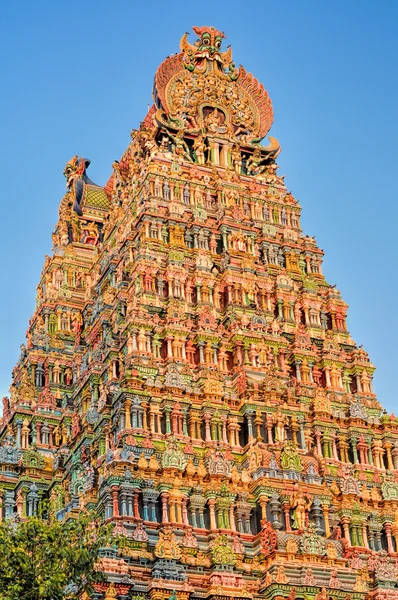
76	178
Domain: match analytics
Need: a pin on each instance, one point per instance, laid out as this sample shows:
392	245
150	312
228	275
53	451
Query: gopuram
188	372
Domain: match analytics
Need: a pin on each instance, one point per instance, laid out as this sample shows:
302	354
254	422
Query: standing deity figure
301	503
199	146
68	375
236	158
280	421
77	322
76	228
262	355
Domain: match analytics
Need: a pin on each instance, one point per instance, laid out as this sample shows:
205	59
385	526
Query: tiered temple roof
188	372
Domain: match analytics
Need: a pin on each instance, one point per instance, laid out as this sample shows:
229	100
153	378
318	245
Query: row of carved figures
267	428
353	378
204	353
232	241
275	213
205	149
228	512
246	294
221	510
192	289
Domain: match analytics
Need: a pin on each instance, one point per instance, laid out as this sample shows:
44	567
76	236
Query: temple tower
188	372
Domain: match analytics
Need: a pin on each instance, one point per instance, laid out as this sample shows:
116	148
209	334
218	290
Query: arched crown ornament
199	91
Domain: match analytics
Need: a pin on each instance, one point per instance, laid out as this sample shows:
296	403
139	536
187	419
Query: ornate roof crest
206	49
200	91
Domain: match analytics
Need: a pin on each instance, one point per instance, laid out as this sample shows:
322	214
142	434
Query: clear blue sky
77	77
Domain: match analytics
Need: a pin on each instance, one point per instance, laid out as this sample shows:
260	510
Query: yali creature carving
76	178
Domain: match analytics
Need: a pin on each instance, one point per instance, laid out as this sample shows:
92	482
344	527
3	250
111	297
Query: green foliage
50	560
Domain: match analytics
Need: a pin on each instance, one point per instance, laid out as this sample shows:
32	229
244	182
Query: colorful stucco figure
188	372
206	48
76	179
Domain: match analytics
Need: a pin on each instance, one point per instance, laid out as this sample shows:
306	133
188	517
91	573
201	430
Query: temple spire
188	371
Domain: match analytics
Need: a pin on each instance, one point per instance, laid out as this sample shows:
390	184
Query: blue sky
77	77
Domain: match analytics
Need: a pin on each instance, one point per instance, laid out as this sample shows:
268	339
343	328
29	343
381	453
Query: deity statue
180	147
281	576
77	322
164	144
236	158
254	164
23	352
57	435
292	594
90	234
147	141
76	179
68	375
76	228
199	147
40	324
280	421
63	235
301	503
213	122
322	595
111	592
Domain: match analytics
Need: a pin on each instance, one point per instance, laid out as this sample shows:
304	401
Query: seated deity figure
214	122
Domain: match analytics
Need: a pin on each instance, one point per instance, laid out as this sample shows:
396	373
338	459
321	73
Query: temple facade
188	372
